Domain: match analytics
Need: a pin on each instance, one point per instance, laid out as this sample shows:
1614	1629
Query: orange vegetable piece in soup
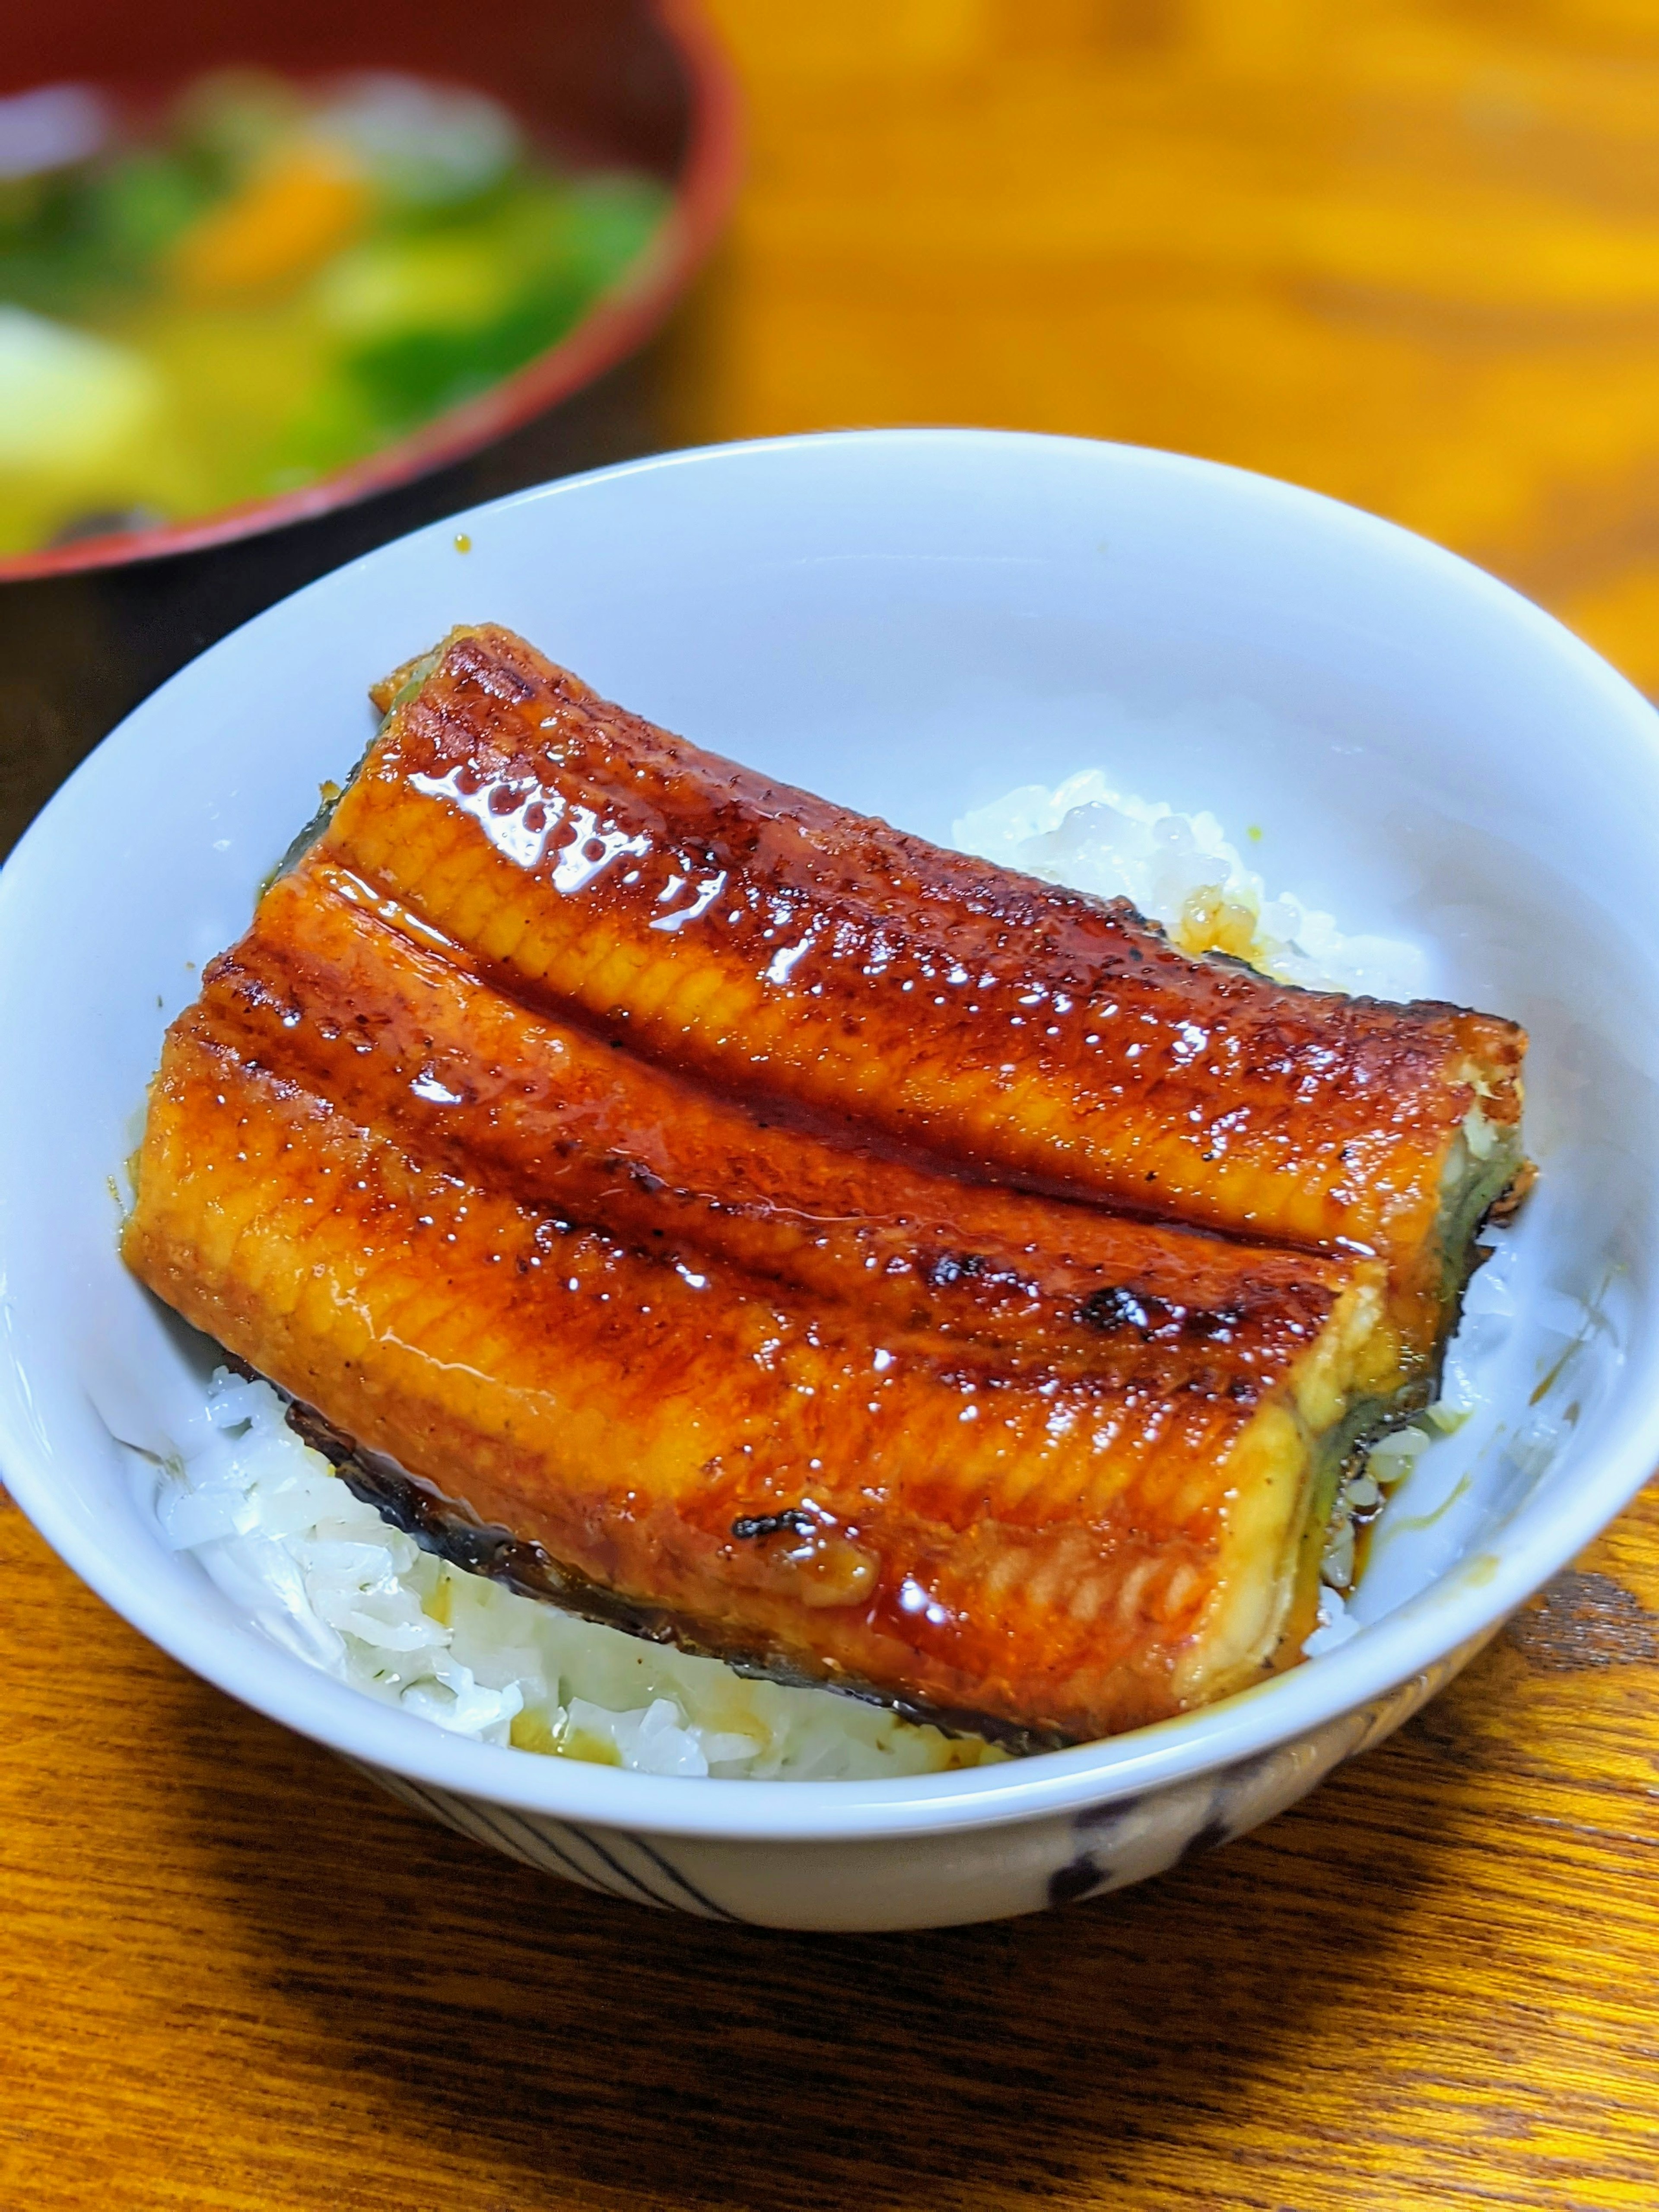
286	222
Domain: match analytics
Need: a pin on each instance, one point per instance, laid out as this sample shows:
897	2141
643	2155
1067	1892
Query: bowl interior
913	623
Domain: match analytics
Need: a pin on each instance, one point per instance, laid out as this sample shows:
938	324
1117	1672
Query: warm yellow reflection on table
1408	254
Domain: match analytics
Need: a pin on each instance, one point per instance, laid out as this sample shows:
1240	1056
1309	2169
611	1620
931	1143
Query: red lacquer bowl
640	82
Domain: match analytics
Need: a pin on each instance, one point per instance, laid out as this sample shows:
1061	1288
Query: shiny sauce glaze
406	1038
784	949
793	1483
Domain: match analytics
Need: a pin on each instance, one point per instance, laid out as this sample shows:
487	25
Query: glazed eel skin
784	949
559	1232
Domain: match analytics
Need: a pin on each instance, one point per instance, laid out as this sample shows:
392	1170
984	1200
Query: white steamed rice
325	1575
1181	870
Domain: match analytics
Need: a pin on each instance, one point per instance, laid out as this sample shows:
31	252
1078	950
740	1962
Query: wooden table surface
1406	253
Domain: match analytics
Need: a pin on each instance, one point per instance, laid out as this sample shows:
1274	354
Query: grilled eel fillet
783	949
831	1410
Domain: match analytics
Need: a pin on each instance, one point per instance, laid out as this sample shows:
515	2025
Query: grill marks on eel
468	1078
672	1233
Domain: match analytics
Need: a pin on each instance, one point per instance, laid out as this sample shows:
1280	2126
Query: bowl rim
1429	1634
619	322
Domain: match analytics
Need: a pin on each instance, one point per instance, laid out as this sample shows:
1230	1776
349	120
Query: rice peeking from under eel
745	1208
329	1577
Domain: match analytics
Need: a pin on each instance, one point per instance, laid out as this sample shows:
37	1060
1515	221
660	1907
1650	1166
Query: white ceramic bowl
913	622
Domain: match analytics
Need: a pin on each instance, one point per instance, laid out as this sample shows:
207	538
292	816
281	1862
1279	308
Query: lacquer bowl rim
1426	1635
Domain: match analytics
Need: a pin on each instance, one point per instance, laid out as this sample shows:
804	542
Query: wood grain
1409	253
235	1976
1404	250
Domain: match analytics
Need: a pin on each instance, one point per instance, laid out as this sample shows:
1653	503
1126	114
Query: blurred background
1405	252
